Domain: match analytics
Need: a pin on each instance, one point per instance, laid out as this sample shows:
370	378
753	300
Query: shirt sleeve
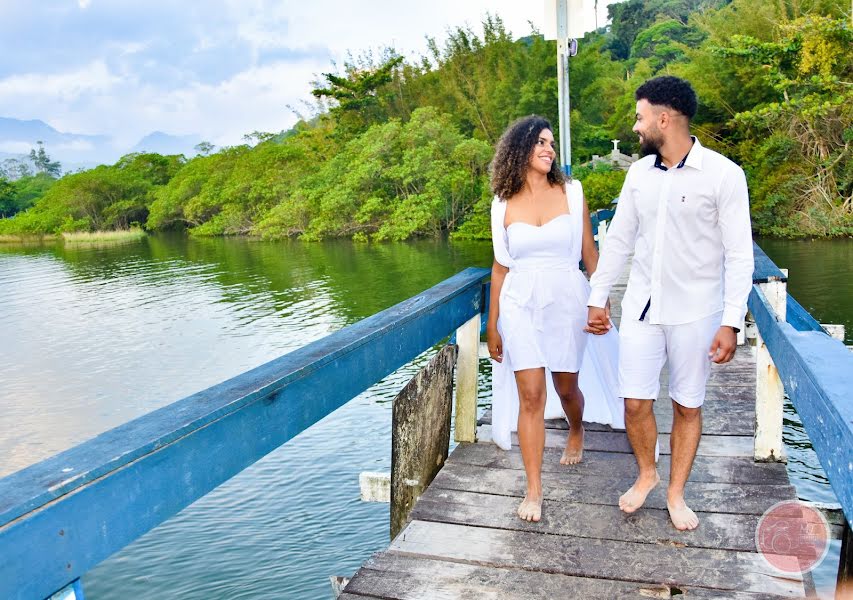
736	234
500	243
618	245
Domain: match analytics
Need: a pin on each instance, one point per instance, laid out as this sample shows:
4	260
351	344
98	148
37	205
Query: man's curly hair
512	156
669	91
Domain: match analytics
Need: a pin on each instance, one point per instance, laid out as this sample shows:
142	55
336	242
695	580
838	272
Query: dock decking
464	539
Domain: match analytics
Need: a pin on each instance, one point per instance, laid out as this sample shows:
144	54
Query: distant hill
163	143
82	151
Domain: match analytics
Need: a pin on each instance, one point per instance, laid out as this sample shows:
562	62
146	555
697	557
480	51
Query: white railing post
769	392
602	233
467	362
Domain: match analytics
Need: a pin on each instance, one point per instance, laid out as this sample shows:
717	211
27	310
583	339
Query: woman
540	231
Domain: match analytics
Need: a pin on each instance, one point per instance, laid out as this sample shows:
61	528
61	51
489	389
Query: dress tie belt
529	286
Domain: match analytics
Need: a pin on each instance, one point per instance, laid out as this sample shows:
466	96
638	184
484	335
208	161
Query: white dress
541	318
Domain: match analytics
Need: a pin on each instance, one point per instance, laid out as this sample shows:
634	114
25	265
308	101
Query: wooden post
602	233
769	393
844	582
420	434
467	367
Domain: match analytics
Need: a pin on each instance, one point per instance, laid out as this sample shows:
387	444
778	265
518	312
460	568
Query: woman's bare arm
492	336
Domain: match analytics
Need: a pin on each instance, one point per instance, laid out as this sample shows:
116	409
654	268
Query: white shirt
689	230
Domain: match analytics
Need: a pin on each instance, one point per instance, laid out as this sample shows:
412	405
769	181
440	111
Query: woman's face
543	154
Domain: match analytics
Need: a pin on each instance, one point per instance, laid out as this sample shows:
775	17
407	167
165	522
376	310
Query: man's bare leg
686	432
642	431
531	437
572	400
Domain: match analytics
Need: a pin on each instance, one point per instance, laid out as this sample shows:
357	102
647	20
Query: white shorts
644	348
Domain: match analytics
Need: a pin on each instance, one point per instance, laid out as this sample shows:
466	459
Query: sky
215	68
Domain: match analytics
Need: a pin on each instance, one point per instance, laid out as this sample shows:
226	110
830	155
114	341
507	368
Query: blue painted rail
64	515
817	372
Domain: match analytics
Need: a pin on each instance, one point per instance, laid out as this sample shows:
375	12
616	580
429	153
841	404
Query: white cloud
84	4
75	146
13	147
94	78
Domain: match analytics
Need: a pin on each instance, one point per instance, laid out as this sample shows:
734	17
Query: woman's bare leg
572	400
531	437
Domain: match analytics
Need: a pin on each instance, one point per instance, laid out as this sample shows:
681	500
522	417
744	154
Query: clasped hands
598	320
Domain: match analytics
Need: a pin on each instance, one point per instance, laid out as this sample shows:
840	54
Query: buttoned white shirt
689	230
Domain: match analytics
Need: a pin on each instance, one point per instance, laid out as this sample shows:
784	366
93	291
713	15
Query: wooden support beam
420	434
844	583
769	392
468	339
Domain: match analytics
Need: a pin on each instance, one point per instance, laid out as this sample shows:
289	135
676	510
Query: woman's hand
496	347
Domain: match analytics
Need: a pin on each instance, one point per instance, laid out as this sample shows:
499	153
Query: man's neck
674	150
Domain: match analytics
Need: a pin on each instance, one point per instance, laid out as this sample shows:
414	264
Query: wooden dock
464	539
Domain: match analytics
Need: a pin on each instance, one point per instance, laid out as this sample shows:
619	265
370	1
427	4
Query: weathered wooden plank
708	469
420	433
617	441
398	576
468	340
608	559
201	441
568	486
765	269
597	521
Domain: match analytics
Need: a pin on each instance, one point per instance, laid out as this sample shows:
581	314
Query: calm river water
93	337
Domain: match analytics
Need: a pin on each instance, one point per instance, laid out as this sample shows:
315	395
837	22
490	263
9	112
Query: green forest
394	148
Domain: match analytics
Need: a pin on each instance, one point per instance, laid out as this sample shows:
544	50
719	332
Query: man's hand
598	320
724	345
495	344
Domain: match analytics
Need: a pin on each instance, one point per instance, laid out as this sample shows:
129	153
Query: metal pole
563	85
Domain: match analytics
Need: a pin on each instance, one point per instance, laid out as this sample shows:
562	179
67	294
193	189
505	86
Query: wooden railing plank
817	372
62	516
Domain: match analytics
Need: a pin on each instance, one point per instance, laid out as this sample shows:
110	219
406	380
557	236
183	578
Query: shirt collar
692	159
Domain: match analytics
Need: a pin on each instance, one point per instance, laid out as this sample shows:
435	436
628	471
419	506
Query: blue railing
817	373
64	515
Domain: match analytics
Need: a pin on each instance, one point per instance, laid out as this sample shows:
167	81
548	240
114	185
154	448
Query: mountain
18	137
163	143
77	150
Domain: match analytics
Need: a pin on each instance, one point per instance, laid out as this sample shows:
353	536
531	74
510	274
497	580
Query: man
684	213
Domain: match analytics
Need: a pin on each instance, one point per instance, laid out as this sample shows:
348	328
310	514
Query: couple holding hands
683	213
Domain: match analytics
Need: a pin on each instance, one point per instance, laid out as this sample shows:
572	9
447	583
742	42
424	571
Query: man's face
646	127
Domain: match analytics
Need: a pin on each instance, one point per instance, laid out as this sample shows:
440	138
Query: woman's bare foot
530	509
681	515
573	453
634	498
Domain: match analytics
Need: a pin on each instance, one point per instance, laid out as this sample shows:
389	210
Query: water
93	337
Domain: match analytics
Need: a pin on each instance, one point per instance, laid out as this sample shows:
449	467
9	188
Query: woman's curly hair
512	156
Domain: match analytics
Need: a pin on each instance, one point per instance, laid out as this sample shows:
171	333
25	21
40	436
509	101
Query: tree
356	105
14	169
8	206
42	161
204	148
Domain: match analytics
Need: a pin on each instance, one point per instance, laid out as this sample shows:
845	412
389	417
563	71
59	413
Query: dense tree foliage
397	148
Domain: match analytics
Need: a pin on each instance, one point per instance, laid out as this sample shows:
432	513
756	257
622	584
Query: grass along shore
88	237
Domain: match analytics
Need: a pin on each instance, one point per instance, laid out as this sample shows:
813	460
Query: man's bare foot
573	453
681	515
530	509
634	498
